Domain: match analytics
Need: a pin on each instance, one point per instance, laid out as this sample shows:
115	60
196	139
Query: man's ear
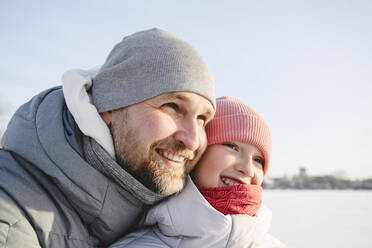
107	117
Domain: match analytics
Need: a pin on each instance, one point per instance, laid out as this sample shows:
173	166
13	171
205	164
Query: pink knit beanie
235	121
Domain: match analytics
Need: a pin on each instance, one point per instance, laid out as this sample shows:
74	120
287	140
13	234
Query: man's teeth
173	157
228	181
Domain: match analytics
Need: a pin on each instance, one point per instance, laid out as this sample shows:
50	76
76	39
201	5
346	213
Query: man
80	165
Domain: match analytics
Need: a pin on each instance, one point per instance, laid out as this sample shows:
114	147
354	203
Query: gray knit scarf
97	157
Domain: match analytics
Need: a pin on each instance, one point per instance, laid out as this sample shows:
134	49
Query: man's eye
172	105
202	120
231	146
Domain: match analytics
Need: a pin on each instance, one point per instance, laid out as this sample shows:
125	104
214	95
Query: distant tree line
303	181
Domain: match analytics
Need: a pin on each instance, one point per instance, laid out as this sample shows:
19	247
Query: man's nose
190	134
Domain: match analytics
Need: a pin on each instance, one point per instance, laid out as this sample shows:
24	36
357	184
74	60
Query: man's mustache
174	147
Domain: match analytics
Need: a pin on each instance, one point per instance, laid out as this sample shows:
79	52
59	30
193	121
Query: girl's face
229	163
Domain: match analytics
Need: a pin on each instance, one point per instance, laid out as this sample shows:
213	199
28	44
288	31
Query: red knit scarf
235	199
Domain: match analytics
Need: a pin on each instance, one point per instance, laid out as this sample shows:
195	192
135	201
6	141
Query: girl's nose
246	167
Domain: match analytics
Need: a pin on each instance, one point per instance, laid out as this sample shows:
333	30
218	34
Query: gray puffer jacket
49	195
187	220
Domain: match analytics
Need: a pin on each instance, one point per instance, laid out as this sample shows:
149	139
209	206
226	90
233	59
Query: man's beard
143	163
153	172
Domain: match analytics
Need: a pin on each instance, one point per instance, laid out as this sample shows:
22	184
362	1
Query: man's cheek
161	127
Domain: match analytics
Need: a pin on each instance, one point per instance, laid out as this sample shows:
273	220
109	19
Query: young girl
221	205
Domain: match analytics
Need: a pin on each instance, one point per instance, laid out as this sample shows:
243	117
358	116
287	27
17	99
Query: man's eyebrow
174	96
177	96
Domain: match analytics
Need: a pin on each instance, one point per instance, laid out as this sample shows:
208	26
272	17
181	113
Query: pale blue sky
305	66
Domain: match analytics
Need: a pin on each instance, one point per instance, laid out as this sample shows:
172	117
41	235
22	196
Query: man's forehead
187	97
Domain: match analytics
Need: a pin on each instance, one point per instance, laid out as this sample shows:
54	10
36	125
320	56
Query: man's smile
171	158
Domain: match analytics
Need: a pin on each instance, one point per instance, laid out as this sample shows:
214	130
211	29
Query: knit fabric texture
101	160
235	199
235	121
149	63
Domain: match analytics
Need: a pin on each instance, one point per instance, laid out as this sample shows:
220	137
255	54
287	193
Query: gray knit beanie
147	64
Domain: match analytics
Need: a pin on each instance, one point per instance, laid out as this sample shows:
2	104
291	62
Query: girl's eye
260	160
231	146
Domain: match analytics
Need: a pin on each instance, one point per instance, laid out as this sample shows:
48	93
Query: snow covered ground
323	218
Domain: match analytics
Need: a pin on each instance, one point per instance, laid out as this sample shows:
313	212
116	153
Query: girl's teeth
228	181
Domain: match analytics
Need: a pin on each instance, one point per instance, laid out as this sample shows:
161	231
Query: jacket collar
189	215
